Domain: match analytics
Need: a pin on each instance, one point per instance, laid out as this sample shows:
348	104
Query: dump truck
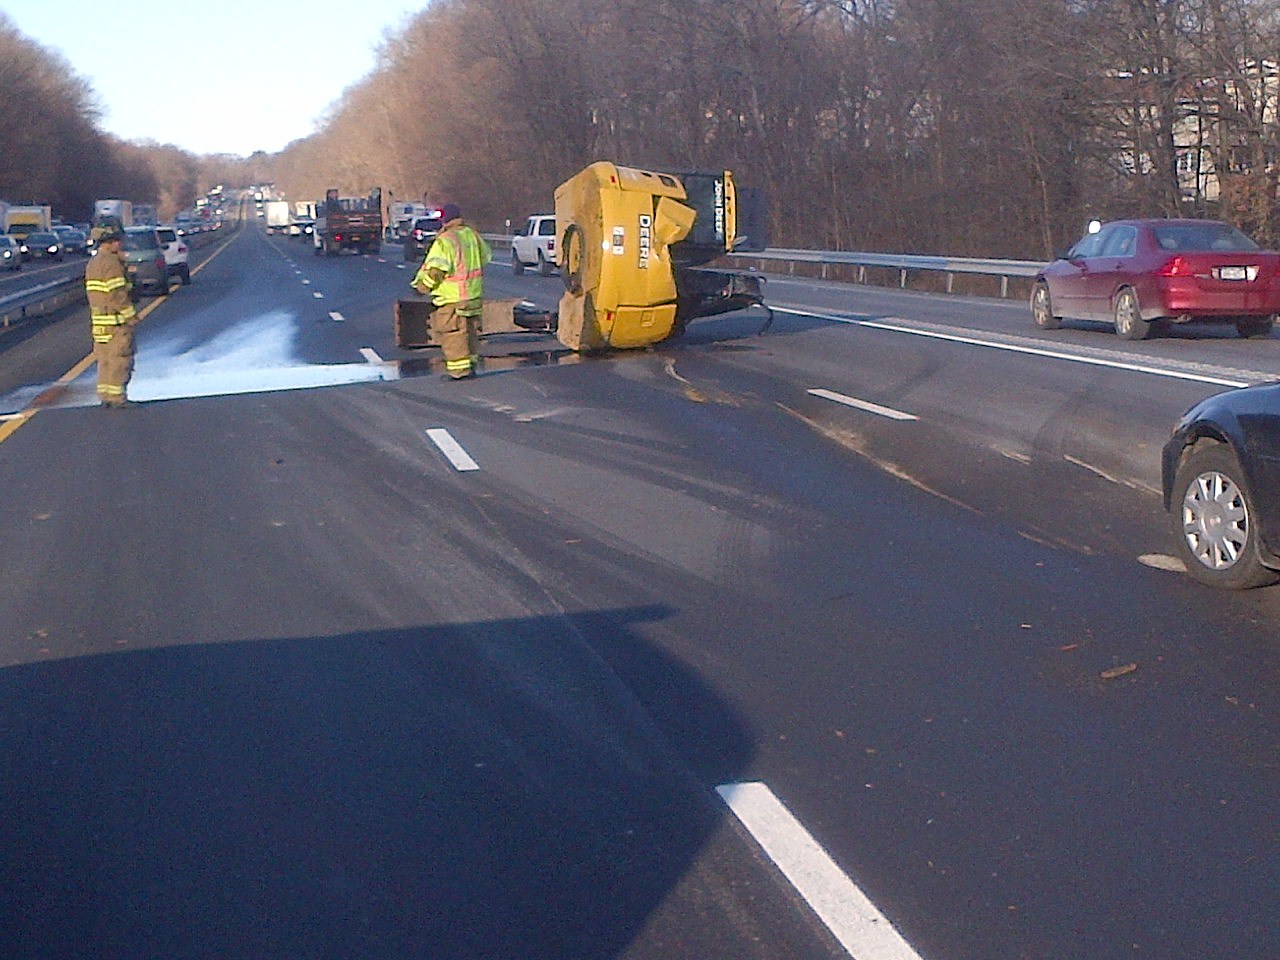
634	248
349	223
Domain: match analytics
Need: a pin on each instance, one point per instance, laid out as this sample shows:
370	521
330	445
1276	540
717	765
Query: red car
1136	273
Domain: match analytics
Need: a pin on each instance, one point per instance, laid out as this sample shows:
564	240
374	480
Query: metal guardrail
904	263
39	300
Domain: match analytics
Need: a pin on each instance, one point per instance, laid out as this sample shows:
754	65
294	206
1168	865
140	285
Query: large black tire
1255	327
1214	520
1042	308
1128	314
573	255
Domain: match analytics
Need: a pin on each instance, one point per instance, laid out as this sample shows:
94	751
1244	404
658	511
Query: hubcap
1041	305
1215	520
1124	313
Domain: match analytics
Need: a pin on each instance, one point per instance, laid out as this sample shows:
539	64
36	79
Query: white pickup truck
535	246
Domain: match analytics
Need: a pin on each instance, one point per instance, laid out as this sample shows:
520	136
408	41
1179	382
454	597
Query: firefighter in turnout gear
112	317
453	274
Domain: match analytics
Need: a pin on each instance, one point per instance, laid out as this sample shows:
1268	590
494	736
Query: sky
231	76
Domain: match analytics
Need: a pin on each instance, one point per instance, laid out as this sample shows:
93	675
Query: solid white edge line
1014	348
450	447
845	910
866	405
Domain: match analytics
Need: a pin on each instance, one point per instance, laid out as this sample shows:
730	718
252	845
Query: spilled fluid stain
256	355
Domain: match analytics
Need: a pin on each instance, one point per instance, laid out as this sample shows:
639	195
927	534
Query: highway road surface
853	636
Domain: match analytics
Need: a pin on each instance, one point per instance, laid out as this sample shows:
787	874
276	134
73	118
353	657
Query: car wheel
544	268
1042	308
1250	327
1129	322
1214	521
517	265
186	274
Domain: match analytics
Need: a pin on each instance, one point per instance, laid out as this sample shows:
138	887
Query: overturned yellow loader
632	243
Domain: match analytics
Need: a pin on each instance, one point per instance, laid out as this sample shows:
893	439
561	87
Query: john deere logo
646	230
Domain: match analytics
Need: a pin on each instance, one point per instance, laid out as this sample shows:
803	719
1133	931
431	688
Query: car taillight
1175	267
181	248
551	245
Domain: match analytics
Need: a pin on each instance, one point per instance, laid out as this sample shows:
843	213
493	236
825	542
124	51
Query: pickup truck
535	246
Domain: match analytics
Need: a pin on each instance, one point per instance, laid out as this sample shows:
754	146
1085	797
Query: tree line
964	127
978	127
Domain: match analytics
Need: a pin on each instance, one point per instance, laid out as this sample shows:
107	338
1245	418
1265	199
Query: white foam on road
255	355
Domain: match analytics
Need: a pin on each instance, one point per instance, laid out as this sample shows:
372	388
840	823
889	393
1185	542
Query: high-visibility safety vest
460	254
107	289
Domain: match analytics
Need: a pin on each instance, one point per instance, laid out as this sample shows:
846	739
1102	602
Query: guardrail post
902	278
951	277
1004	287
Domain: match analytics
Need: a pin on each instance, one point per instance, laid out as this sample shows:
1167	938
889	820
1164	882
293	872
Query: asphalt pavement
283	680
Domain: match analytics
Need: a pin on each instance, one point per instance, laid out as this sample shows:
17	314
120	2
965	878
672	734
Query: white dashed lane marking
450	447
847	912
866	405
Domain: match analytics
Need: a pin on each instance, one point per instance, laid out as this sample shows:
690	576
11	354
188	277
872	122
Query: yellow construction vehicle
633	245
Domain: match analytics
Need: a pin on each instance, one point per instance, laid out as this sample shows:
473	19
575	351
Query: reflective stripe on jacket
107	289
460	254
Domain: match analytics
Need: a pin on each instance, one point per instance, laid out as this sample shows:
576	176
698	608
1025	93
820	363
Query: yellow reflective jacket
453	270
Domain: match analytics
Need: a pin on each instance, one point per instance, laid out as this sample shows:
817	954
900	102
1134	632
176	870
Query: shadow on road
482	790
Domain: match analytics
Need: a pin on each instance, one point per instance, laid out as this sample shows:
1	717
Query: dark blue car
1221	480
